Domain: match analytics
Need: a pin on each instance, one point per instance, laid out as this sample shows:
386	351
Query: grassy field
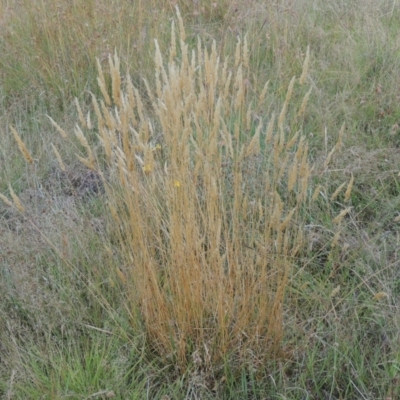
199	202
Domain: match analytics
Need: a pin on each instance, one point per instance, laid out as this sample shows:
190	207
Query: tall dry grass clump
206	201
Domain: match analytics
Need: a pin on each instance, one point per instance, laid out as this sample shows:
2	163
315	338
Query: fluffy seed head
22	146
17	201
305	67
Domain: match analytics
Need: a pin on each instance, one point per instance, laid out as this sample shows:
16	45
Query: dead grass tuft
207	204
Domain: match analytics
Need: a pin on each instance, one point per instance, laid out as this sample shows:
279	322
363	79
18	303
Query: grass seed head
5	200
349	188
102	83
337	191
182	32
17	201
303	105
63	134
305	67
342	214
80	114
59	159
21	146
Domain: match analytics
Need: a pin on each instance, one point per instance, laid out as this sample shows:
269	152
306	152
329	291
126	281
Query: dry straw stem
22	146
